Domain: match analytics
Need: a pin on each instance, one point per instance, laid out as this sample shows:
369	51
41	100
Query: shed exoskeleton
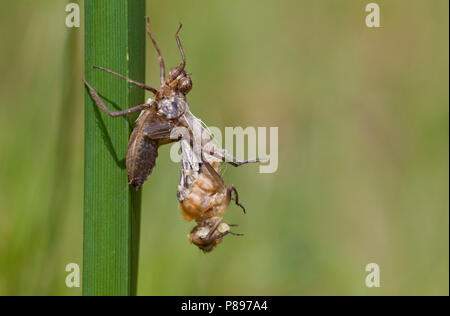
159	116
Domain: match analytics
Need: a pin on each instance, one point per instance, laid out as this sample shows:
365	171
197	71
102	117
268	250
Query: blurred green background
363	148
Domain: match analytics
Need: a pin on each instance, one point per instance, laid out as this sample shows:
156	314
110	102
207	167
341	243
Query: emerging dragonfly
159	116
203	196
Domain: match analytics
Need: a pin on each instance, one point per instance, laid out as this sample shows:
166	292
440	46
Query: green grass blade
114	39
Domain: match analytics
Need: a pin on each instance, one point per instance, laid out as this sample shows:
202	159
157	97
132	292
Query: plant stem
114	39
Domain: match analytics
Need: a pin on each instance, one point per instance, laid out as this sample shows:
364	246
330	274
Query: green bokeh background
363	147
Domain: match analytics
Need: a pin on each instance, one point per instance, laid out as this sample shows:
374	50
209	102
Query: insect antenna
161	60
177	38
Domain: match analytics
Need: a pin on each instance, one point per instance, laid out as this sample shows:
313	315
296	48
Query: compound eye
223	227
173	73
185	85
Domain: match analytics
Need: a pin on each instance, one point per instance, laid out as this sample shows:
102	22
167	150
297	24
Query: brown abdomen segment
141	158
